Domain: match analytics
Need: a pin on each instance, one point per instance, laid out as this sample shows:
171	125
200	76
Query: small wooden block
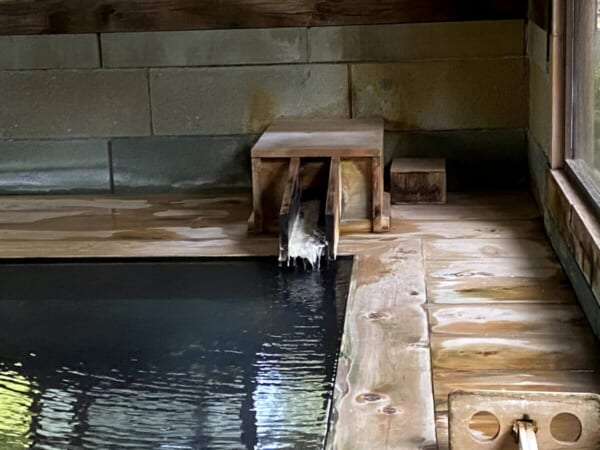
418	180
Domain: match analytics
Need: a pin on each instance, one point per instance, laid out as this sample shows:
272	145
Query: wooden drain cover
485	419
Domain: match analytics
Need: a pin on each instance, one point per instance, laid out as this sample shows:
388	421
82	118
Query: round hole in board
484	426
565	427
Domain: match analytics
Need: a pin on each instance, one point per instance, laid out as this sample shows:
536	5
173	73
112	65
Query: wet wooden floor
457	296
501	313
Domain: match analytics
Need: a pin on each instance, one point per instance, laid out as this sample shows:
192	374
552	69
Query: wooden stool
418	180
342	159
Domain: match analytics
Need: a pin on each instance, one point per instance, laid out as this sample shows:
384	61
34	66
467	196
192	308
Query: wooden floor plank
472	206
499	290
384	375
544	268
462	249
81	217
509	320
515	353
488	229
497	280
475	281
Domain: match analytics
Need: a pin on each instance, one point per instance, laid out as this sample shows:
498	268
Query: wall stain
261	110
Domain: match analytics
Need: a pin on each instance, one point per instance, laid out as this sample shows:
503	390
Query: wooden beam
99	16
558	77
290	206
333	207
255	222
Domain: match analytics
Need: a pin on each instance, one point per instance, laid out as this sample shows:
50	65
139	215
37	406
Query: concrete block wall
158	111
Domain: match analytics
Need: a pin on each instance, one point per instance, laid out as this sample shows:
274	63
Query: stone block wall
160	111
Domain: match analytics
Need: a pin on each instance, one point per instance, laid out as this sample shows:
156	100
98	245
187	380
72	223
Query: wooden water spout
337	162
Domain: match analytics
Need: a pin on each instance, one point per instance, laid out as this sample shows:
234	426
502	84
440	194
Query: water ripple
250	369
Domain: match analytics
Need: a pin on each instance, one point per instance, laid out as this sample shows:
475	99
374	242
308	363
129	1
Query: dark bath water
168	355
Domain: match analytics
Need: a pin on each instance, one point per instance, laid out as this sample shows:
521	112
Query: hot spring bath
179	354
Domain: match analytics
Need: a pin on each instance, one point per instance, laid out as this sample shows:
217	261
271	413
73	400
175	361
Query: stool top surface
286	138
412	165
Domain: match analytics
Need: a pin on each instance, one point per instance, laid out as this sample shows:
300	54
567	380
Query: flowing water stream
307	241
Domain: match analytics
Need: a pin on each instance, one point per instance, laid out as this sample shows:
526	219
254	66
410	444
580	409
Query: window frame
574	169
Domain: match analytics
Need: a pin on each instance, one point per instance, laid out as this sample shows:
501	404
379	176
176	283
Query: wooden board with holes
561	419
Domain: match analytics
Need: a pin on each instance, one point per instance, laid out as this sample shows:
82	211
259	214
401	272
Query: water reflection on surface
222	355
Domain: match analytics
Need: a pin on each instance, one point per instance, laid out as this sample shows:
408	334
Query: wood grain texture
380	214
255	222
501	312
466	207
290	207
268	192
459	249
418	180
382	390
497	280
333	207
321	138
515	353
381	385
356	144
486	229
441	430
357	190
498	290
77	16
496	320
418	165
418	187
446	381
541	407
420	294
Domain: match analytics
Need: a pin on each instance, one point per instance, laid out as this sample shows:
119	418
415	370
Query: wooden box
341	159
418	180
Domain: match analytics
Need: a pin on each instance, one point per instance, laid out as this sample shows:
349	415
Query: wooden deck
501	313
462	295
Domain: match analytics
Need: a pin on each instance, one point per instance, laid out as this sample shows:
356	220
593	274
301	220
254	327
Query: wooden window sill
577	223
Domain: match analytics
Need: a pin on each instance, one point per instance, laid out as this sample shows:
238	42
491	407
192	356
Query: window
583	95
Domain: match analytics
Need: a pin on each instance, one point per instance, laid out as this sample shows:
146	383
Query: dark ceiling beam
96	16
540	12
